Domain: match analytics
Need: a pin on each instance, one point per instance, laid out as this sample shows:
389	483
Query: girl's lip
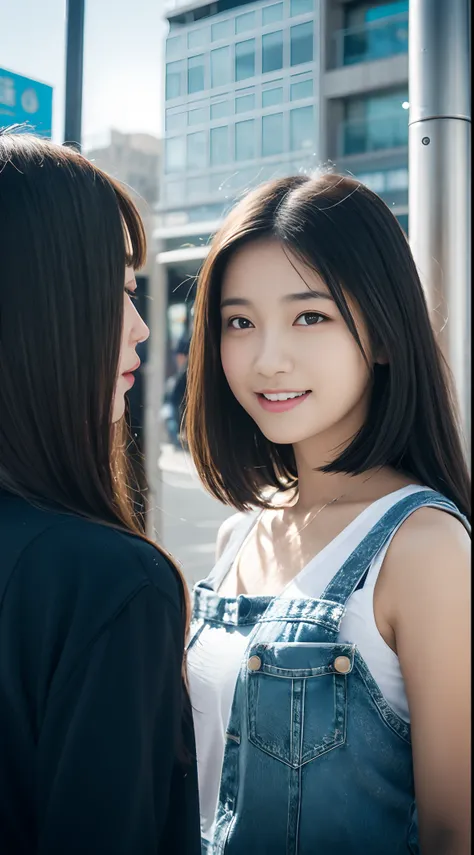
280	406
135	368
129	374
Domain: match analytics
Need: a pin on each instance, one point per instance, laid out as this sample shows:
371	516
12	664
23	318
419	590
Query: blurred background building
135	160
262	90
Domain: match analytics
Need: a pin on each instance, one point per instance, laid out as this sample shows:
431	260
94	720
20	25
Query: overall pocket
296	698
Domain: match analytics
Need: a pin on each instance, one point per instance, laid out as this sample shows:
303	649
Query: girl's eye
131	294
308	319
239	324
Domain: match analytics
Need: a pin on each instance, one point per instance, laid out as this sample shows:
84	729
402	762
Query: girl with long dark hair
328	658
96	747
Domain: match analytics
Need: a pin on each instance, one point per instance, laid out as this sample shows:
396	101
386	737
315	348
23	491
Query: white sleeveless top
215	658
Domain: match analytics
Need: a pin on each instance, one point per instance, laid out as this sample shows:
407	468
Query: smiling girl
328	653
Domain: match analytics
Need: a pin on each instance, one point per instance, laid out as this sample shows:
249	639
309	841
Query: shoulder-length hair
346	234
67	232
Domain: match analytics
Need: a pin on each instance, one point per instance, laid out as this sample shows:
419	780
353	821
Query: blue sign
25	100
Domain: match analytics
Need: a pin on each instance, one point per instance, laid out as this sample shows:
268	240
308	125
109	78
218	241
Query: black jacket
94	718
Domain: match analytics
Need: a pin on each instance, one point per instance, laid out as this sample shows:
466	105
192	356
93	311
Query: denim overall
316	761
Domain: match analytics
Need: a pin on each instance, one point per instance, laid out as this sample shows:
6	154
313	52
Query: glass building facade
375	123
373	31
242	90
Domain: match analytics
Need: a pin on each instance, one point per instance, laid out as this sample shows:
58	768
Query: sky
123	58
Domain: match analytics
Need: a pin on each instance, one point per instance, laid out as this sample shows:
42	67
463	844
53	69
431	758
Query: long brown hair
340	229
67	232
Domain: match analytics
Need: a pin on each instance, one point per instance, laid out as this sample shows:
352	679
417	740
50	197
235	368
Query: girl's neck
318	488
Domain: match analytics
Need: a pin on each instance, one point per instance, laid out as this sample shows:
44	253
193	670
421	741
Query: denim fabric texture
316	761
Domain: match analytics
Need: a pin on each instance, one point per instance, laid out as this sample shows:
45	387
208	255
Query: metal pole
439	176
74	73
154	388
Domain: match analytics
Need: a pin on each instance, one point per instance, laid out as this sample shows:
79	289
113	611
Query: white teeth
283	396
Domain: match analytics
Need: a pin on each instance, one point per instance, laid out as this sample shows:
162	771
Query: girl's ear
381	358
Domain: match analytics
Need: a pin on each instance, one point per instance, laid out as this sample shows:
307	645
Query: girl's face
286	352
134	331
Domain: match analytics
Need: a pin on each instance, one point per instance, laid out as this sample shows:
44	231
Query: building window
245	59
198	38
246	179
197	150
220	110
175	158
375	181
196	74
175	121
175	47
272	52
302	128
245	103
197	187
199	116
375	31
220	182
271	14
300	167
270	97
220	146
375	123
272	134
246	22
356	15
397	179
174	79
382	11
386	182
222	30
220	67
245	142
175	192
303	89
302	43
300	7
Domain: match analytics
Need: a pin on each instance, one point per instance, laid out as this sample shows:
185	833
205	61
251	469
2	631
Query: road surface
191	517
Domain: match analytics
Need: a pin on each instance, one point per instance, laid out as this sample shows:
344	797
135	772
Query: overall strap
240	531
346	580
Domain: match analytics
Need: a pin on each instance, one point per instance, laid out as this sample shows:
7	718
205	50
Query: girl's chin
118	408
